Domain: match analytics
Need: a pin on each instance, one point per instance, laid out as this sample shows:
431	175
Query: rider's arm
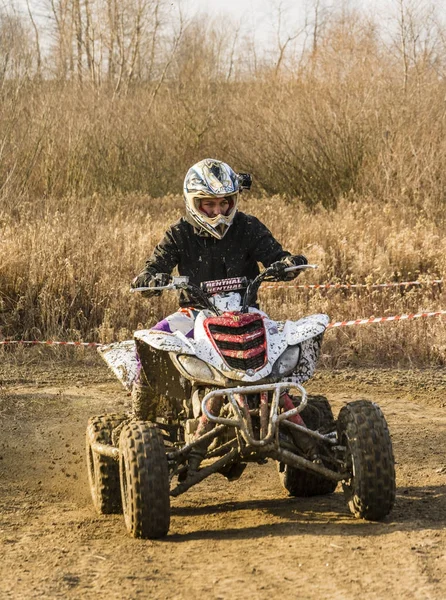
265	248
165	256
163	259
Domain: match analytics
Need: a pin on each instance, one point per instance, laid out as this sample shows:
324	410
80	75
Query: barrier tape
438	313
348	286
50	343
410	316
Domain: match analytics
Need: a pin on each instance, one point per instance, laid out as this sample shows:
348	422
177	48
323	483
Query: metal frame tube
220	450
244	424
263	414
315	434
302	463
203	473
188	447
105	450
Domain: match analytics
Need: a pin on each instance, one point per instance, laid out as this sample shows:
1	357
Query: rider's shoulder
247	220
181	225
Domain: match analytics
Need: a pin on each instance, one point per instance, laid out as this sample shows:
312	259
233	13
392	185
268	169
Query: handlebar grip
299	267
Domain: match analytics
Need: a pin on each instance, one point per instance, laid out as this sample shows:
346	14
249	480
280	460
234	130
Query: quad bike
230	395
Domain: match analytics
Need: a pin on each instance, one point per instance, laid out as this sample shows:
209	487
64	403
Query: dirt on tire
145	480
227	540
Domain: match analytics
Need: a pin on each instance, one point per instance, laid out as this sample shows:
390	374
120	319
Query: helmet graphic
211	179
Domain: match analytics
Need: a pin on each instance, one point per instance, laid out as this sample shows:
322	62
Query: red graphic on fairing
239	338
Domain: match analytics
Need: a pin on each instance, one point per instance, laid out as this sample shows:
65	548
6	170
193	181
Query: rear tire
103	471
144	477
317	415
362	429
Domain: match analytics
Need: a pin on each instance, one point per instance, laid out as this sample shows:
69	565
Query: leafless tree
37	39
16	58
284	40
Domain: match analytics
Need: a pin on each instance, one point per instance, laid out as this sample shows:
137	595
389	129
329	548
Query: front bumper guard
269	422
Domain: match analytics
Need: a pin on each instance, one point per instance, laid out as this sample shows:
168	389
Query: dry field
343	126
227	541
66	265
341	122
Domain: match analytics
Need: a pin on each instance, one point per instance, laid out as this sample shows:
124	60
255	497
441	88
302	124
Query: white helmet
211	178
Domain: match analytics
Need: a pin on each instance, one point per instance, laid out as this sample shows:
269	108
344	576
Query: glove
146	279
294	261
289	261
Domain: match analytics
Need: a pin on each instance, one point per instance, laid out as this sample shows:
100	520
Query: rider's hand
294	261
289	261
145	279
279	269
141	280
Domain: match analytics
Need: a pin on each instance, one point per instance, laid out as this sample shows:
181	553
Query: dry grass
66	267
347	146
354	119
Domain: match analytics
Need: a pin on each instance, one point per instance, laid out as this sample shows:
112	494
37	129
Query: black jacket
246	243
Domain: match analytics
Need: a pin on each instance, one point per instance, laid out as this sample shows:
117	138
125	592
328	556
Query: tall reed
66	267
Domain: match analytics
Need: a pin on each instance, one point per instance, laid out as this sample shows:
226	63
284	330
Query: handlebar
250	296
268	274
170	286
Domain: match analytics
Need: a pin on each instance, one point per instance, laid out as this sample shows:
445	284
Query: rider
214	240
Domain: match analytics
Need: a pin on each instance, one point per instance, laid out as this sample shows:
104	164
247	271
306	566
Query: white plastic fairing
227	302
169	342
304	329
310	350
122	360
283	340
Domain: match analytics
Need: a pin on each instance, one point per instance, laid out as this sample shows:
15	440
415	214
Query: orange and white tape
410	316
348	286
437	313
49	343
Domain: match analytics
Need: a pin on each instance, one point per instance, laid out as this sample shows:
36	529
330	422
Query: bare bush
67	264
343	131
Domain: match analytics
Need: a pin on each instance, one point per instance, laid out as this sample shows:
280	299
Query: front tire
144	477
103	471
370	491
303	484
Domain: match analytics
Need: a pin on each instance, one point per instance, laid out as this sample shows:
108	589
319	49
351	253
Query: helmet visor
211	208
212	213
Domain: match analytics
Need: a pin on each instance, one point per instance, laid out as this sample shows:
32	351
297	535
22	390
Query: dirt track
244	539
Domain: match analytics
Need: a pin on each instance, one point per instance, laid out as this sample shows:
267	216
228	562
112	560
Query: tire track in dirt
227	540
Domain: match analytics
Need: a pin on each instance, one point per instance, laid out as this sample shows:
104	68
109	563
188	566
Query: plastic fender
310	350
169	342
276	341
231	301
205	350
122	359
297	332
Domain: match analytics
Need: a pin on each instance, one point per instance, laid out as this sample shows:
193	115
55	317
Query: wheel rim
124	490
92	474
349	465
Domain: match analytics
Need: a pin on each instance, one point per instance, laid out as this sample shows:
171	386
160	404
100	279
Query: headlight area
195	369
286	362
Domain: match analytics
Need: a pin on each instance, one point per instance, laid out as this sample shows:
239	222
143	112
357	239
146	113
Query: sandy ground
244	539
